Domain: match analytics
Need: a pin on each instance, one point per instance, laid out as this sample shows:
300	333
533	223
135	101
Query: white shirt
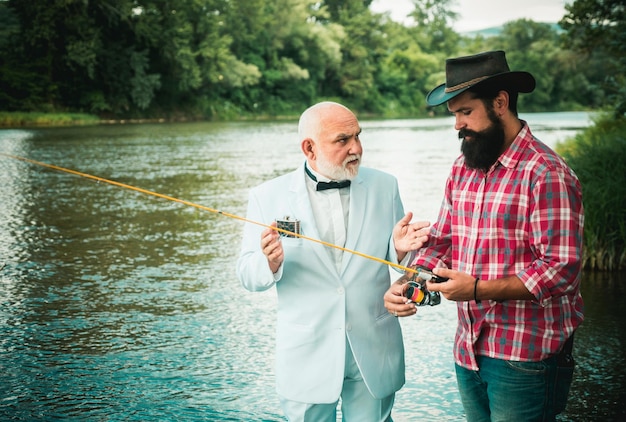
330	209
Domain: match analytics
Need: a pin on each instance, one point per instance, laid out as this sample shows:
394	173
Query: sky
481	14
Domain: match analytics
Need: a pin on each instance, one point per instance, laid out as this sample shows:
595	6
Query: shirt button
340	291
348	327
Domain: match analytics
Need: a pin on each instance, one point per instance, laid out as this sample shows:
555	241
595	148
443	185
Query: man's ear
308	148
501	103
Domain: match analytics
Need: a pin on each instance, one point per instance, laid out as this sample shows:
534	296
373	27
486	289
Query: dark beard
485	146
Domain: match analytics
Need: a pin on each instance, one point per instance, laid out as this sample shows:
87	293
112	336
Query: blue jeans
510	391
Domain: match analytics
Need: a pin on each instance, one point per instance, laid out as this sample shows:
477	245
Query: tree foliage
228	58
596	29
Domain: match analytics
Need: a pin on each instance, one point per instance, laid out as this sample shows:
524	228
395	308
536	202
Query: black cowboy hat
463	73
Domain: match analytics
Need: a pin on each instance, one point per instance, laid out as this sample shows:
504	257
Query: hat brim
521	81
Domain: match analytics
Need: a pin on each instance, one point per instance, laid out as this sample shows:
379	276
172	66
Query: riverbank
18	119
15	120
21	119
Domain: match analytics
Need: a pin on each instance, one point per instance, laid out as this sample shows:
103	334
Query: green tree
406	73
534	47
563	82
435	41
64	47
121	57
226	58
433	26
294	45
190	46
597	29
361	49
19	87
340	9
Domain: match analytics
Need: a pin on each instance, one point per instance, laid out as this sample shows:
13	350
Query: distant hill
496	30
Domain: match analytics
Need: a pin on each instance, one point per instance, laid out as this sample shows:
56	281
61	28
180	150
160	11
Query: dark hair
486	92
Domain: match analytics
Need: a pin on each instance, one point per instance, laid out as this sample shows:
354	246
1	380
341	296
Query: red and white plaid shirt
523	217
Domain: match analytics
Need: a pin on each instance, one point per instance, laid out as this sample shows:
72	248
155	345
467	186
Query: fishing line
204	208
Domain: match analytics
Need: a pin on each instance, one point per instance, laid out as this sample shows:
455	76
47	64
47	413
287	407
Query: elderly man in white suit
335	339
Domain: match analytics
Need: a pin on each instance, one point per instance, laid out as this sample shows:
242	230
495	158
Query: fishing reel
417	292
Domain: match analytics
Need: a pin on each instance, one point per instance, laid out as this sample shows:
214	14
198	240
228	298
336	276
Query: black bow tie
326	185
333	185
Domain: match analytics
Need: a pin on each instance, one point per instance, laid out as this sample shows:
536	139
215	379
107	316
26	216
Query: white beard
342	172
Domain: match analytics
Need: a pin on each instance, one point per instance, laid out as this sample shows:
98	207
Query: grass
598	156
25	119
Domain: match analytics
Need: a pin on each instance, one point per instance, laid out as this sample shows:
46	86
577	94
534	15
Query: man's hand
395	301
272	248
459	287
464	287
409	236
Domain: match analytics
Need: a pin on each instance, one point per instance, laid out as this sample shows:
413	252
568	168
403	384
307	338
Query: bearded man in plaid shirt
509	237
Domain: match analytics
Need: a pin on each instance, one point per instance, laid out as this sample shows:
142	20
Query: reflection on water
115	305
599	389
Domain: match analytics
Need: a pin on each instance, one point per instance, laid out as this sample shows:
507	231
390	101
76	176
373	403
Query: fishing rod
204	208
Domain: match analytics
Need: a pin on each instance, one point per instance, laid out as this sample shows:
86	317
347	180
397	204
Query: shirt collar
318	177
514	152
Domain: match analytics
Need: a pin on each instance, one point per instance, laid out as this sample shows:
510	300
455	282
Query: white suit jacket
318	306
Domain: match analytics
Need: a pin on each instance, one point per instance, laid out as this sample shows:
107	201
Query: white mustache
354	157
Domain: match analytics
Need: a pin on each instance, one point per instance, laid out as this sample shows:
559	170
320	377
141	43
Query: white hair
309	124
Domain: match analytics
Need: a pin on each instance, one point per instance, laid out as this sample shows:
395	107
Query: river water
116	305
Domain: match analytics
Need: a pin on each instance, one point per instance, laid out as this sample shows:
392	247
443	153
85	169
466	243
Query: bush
598	156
